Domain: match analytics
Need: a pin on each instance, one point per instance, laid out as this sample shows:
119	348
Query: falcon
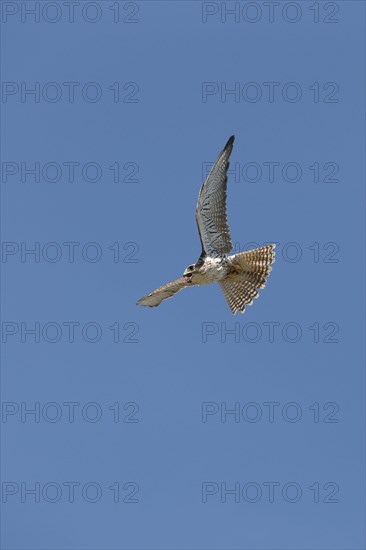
240	275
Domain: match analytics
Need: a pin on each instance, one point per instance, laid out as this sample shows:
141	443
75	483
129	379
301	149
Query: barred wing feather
211	214
163	292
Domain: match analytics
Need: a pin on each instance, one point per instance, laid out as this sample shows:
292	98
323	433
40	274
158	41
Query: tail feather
238	294
250	272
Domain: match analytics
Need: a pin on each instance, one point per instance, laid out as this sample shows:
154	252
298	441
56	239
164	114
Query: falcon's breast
213	270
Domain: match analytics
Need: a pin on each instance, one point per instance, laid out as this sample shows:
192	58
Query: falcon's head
189	271
194	269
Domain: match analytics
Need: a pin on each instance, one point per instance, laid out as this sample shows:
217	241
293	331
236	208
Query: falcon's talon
239	275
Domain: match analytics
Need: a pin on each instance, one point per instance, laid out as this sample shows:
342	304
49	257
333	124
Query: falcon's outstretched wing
211	207
163	292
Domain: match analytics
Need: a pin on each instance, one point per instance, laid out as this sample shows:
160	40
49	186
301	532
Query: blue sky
131	444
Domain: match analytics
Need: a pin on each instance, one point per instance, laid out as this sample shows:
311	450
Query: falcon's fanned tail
251	270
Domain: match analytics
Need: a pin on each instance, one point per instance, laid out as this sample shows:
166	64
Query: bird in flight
240	275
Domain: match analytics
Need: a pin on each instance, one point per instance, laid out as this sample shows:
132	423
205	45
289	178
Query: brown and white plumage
239	275
248	273
163	292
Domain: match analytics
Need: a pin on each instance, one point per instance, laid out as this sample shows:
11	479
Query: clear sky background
149	450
